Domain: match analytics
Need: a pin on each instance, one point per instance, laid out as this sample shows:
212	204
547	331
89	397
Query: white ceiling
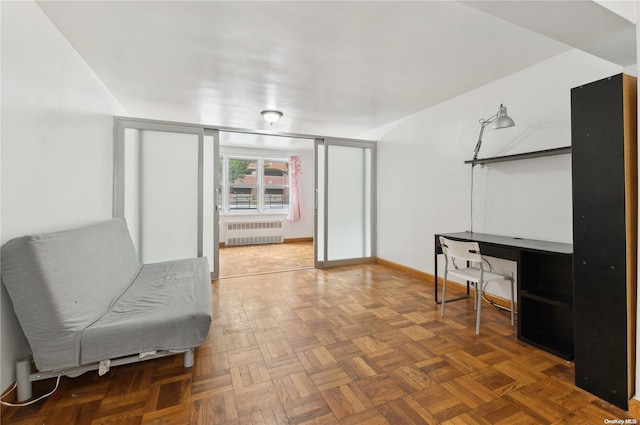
334	68
585	25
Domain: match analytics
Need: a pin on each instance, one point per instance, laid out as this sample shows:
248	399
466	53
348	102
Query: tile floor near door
351	345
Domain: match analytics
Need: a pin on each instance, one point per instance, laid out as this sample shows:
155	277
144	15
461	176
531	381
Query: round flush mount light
271	115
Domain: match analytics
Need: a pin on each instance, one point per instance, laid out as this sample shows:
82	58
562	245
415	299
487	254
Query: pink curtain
295	209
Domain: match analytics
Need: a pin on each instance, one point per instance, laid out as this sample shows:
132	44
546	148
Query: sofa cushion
62	282
168	307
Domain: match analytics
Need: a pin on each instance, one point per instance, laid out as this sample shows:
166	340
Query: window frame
259	185
285	186
227	189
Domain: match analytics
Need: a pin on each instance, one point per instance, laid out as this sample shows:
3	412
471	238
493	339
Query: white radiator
253	232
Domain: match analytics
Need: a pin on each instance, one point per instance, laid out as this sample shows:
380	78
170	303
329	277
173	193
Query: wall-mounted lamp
271	116
499	120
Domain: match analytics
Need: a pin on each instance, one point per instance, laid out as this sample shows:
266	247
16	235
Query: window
243	185
276	185
255	184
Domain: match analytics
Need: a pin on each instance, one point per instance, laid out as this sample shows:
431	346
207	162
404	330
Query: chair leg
444	292
479	305
512	302
475	295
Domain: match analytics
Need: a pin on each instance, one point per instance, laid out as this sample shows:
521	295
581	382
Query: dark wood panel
600	239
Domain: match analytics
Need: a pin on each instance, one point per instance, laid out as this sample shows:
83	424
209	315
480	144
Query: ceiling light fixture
271	115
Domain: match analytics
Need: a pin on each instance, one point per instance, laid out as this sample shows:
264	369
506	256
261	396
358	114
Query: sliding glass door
345	202
167	186
164	186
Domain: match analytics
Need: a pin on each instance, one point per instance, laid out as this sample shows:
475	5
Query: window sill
254	214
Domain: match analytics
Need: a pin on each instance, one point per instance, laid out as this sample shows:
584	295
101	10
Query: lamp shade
271	116
502	120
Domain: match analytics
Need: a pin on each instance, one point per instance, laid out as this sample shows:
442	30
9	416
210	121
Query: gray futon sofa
85	302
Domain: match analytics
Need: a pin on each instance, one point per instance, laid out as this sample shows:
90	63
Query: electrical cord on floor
501	309
4	403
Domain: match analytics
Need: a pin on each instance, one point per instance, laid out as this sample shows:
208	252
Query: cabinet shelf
546	323
518	156
559	347
549	297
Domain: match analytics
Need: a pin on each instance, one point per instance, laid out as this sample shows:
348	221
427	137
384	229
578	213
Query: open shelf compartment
546	295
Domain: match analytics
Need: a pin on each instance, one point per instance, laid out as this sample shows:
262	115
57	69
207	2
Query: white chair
469	252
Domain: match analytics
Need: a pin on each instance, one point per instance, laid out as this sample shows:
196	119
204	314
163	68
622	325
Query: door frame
216	206
321	215
119	164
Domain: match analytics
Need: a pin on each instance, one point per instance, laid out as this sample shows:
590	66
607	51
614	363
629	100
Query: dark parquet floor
351	345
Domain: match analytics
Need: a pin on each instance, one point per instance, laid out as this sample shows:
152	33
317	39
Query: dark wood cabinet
545	302
604	175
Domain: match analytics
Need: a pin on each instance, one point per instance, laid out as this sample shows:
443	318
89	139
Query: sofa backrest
60	283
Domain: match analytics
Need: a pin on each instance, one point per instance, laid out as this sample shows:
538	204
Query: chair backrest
469	251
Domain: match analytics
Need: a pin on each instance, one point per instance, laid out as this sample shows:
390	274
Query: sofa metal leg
23	372
188	358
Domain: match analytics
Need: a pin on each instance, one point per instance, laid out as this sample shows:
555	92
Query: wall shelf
517	156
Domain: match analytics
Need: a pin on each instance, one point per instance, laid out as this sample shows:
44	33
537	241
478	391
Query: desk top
524	244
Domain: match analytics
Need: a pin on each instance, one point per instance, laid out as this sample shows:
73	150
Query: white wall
57	143
302	228
421	164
